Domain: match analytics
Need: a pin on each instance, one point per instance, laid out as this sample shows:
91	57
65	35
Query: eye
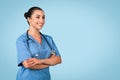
43	17
37	17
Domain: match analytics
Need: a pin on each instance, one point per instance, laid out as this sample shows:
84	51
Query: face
37	19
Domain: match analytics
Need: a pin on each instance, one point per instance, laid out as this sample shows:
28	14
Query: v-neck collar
36	40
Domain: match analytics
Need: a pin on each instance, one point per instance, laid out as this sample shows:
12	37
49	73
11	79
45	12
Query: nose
41	20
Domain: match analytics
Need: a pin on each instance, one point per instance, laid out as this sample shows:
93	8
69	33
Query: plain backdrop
86	32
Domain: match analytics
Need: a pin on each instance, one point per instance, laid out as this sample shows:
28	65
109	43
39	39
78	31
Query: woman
36	51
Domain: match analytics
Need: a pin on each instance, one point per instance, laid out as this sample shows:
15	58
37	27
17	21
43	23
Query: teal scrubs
36	50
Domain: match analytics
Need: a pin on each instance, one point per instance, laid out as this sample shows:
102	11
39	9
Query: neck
34	32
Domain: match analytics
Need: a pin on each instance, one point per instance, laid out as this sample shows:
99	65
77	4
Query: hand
31	62
34	61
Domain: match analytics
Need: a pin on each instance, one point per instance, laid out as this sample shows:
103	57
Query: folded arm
34	63
53	60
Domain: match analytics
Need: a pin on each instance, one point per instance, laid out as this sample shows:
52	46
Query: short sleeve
54	47
22	52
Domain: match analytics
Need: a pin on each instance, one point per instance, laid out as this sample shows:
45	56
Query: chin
40	27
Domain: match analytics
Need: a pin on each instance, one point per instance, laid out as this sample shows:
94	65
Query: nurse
36	52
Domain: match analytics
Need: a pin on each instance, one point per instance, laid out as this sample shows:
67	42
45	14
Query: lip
40	24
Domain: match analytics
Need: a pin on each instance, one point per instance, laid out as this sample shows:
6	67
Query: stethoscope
37	55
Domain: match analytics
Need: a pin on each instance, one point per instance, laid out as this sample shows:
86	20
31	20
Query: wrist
45	61
41	61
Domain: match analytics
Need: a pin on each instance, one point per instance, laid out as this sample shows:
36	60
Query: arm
40	66
34	63
53	60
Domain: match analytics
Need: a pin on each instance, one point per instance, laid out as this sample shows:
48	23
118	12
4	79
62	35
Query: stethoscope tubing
43	37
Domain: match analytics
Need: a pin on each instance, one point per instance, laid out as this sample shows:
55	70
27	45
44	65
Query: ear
29	20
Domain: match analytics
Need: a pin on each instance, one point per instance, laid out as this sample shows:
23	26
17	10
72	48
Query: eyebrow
39	15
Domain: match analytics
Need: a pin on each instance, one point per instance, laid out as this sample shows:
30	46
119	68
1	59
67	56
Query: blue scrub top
37	50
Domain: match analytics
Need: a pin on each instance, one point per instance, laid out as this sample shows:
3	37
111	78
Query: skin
36	22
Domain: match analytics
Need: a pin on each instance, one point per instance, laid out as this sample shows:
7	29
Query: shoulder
48	37
22	37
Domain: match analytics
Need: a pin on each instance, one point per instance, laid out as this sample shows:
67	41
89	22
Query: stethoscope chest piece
53	52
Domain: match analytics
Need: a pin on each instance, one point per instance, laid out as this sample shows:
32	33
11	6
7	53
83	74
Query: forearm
52	61
34	63
39	66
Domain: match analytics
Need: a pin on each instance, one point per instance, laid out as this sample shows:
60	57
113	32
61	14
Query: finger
31	60
30	63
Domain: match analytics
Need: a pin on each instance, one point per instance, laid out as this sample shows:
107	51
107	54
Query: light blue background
87	33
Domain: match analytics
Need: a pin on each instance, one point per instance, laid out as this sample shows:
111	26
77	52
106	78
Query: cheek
43	21
34	21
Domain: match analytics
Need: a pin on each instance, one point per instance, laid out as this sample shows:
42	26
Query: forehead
38	12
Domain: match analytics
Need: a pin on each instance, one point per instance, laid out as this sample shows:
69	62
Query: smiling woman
36	51
35	17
